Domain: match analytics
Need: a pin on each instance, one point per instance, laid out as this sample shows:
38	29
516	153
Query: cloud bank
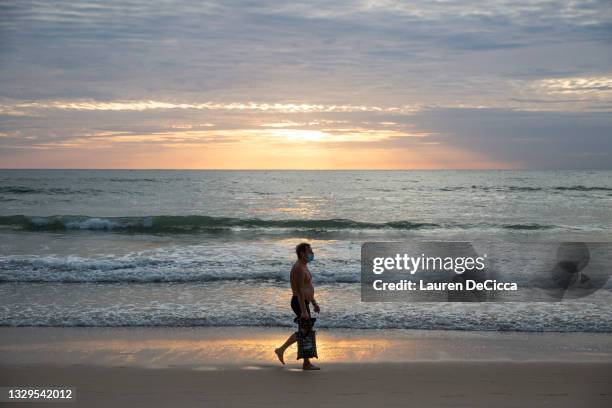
500	83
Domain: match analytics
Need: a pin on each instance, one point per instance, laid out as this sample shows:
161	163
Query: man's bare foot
280	356
310	367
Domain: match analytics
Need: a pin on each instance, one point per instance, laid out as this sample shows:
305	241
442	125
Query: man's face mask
310	257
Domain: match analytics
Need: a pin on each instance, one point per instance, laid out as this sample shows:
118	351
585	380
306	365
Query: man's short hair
300	248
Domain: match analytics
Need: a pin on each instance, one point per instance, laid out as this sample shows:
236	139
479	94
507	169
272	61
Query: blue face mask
310	257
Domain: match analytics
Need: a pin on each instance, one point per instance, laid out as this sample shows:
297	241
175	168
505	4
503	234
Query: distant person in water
303	296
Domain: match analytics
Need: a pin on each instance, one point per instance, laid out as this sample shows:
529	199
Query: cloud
543	69
421	52
577	85
92	105
541	140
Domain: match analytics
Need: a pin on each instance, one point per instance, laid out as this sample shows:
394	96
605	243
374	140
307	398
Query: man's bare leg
308	365
281	350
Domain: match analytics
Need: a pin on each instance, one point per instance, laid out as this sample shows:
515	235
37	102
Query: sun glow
299	134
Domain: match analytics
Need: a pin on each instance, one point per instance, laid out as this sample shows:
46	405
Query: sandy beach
359	385
222	367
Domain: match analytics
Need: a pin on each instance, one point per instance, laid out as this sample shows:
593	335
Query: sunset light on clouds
342	85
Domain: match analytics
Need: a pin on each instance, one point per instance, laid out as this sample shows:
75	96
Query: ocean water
214	248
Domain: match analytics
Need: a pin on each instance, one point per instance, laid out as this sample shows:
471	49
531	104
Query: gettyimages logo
485	272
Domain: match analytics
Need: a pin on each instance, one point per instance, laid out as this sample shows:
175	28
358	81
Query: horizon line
297	169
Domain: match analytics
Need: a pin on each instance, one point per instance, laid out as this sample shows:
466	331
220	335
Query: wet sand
186	367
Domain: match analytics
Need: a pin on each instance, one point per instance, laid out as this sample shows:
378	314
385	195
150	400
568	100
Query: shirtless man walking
303	295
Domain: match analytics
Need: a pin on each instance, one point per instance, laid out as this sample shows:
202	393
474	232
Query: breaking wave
202	223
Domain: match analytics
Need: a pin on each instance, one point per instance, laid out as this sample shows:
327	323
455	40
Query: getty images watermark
485	271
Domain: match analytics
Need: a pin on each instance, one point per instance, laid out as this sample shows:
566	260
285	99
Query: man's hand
317	309
305	315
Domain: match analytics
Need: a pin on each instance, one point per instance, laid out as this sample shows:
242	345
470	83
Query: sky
243	84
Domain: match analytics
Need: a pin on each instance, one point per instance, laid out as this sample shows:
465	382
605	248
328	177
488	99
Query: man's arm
317	309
